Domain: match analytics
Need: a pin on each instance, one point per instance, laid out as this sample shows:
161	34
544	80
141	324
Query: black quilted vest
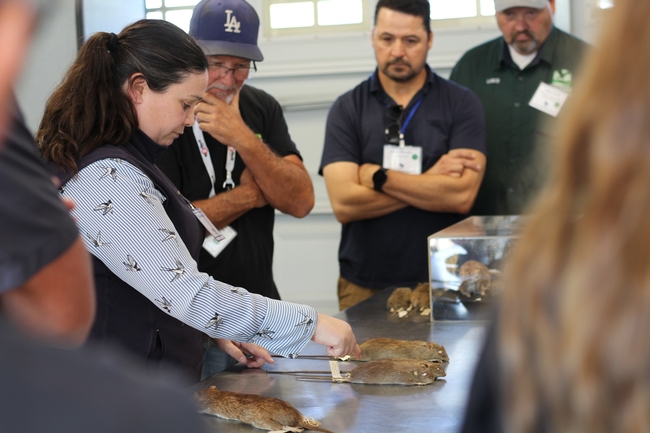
124	316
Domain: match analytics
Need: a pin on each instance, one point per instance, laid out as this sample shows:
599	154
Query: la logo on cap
232	25
226	28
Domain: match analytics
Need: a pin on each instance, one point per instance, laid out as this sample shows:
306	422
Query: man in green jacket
523	79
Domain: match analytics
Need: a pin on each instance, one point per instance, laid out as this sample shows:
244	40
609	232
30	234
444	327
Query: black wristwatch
379	179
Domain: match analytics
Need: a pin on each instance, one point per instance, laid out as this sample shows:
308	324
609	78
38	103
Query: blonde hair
574	329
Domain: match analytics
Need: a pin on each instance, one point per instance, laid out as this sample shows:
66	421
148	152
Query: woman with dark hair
570	352
126	98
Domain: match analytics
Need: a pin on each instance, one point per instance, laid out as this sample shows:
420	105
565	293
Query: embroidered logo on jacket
562	79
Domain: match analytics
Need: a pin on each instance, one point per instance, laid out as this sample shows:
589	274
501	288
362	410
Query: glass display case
465	262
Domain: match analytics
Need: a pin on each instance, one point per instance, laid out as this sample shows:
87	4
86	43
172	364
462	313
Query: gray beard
526	47
228	99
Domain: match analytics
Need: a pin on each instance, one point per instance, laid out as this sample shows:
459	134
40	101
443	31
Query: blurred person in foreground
570	352
46	291
16	25
46	285
57	390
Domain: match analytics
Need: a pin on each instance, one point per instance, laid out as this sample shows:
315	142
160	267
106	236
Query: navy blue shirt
392	250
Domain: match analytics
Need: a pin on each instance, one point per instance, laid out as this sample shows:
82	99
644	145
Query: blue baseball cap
226	28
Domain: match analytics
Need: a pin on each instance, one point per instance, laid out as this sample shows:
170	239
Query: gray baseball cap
501	5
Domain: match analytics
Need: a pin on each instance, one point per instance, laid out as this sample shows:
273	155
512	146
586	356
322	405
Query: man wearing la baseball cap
237	34
522	79
237	163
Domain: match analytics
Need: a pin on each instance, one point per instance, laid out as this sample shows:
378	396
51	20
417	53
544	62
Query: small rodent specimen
266	413
421	298
380	372
400	301
395	372
475	278
383	348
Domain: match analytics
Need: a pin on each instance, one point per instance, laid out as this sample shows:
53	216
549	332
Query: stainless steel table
344	408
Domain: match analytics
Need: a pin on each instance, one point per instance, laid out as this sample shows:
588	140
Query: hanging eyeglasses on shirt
397	155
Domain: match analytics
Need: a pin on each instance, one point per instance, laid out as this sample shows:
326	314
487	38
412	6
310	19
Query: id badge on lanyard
203	219
215	246
549	99
407	159
214	243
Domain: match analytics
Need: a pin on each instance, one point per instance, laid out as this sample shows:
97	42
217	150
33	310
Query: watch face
379	178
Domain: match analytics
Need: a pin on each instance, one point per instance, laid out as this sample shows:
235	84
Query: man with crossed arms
238	163
403	157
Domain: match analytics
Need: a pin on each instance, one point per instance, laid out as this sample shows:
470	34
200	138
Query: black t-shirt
248	260
35	226
392	250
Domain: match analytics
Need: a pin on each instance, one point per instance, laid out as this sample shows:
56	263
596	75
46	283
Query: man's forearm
224	208
285	184
360	203
284	181
434	193
451	185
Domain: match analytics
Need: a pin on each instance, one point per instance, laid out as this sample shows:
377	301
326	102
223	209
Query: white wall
305	75
52	52
586	22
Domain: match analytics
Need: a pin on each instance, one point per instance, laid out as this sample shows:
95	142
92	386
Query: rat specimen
421	298
399	301
382	348
380	372
266	413
396	372
475	277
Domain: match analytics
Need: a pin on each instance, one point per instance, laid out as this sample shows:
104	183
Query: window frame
479	22
598	13
164	9
464	23
316	29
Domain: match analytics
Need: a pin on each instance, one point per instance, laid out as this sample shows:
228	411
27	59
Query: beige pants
351	294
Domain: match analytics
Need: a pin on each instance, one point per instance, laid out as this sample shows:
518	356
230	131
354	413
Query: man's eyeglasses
240	73
392	132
